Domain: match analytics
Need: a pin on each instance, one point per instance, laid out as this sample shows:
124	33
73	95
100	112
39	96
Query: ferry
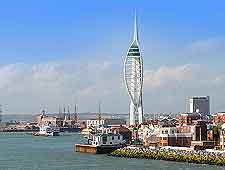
48	131
101	143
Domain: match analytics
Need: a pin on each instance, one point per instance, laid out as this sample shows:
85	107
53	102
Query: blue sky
178	39
38	31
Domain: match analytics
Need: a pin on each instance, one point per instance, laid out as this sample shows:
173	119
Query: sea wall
199	157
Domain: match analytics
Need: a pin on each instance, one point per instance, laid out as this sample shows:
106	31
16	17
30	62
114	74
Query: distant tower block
75	113
99	114
68	113
133	77
199	104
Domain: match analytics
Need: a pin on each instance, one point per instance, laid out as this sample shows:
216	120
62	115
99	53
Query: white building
199	104
107	139
133	77
105	122
95	123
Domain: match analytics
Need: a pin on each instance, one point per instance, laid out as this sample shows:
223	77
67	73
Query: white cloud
165	76
25	88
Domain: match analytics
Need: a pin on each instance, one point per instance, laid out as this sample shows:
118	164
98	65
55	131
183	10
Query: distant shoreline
19	130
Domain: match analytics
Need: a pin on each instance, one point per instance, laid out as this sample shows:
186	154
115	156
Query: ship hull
70	130
106	149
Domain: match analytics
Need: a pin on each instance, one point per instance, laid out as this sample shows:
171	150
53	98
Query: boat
48	131
70	129
86	131
101	144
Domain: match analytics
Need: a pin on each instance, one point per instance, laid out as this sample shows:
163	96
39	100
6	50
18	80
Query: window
134	54
118	137
104	139
134	50
112	137
134	46
166	132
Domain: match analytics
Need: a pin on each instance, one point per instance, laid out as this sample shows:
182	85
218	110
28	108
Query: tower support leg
132	114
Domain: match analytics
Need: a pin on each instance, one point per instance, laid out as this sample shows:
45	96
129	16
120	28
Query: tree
216	132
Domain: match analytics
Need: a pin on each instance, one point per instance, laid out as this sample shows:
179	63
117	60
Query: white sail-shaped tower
133	77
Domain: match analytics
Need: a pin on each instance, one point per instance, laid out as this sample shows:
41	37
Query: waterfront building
44	119
107	139
170	136
66	121
94	123
105	122
133	77
167	136
200	104
127	134
190	131
150	134
198	128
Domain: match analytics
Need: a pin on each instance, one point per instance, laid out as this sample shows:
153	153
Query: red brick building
219	118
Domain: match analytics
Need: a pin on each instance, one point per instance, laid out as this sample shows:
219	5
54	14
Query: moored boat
101	143
48	131
86	131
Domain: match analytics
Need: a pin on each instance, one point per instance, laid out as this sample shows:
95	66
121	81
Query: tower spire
135	26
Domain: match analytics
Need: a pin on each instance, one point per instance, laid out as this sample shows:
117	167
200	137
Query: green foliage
216	132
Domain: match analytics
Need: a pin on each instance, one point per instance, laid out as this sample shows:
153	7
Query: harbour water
22	151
